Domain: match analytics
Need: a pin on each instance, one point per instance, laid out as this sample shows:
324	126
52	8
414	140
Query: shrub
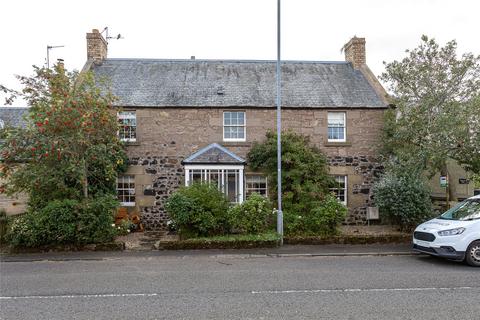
252	216
54	224
199	210
3	224
21	231
305	177
125	227
323	219
403	197
65	222
96	219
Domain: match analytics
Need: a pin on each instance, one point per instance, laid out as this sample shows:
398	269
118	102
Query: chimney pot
355	52
60	63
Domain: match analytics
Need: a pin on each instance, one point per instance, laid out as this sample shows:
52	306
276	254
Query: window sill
338	144
131	143
236	144
127	204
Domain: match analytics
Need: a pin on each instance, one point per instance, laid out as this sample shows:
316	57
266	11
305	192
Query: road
239	286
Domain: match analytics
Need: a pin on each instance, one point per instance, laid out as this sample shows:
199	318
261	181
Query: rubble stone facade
166	136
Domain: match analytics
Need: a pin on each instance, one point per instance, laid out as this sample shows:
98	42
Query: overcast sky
228	29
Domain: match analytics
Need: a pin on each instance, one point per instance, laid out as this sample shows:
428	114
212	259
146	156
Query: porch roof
214	154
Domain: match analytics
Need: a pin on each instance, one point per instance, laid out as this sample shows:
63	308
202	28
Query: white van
454	235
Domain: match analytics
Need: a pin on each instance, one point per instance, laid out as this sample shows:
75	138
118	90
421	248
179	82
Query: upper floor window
127	122
234	126
336	127
340	188
126	190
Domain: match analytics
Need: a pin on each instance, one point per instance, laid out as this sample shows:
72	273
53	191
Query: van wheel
473	254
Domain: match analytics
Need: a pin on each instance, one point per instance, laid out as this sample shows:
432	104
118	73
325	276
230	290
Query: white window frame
344	127
345	189
128	114
239	197
130	179
252	190
244	126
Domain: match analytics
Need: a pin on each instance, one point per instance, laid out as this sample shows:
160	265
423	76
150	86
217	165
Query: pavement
333	250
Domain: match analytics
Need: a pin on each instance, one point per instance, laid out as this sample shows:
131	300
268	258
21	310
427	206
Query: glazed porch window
228	180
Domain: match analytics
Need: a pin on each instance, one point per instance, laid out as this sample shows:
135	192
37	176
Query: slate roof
214	154
13	116
236	83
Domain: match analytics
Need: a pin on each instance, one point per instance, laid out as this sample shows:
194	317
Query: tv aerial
48	53
107	37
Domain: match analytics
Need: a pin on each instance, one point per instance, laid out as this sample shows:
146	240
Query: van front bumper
444	252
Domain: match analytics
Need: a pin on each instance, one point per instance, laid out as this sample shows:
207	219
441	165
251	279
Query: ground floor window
126	190
256	183
340	188
228	179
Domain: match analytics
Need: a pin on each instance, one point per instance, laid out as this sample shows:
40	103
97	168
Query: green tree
437	116
69	148
305	178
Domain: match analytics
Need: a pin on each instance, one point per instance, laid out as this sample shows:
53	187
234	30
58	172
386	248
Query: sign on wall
443	181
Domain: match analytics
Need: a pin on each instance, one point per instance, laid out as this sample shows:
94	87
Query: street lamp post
279	132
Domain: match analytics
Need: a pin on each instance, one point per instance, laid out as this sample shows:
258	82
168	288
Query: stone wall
362	172
182	131
13	205
166	136
156	178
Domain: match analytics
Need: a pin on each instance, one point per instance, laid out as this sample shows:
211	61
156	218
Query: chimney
355	52
96	46
61	63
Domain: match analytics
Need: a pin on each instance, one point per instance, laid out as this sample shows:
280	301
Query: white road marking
74	296
362	290
346	290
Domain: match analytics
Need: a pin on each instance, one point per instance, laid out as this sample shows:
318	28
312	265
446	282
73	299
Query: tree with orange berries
69	148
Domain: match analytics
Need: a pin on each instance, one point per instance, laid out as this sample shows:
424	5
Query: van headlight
451	232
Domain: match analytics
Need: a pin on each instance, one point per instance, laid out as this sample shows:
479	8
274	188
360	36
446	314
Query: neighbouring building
460	180
12	117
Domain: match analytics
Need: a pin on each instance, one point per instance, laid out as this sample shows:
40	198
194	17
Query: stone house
189	120
12	117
